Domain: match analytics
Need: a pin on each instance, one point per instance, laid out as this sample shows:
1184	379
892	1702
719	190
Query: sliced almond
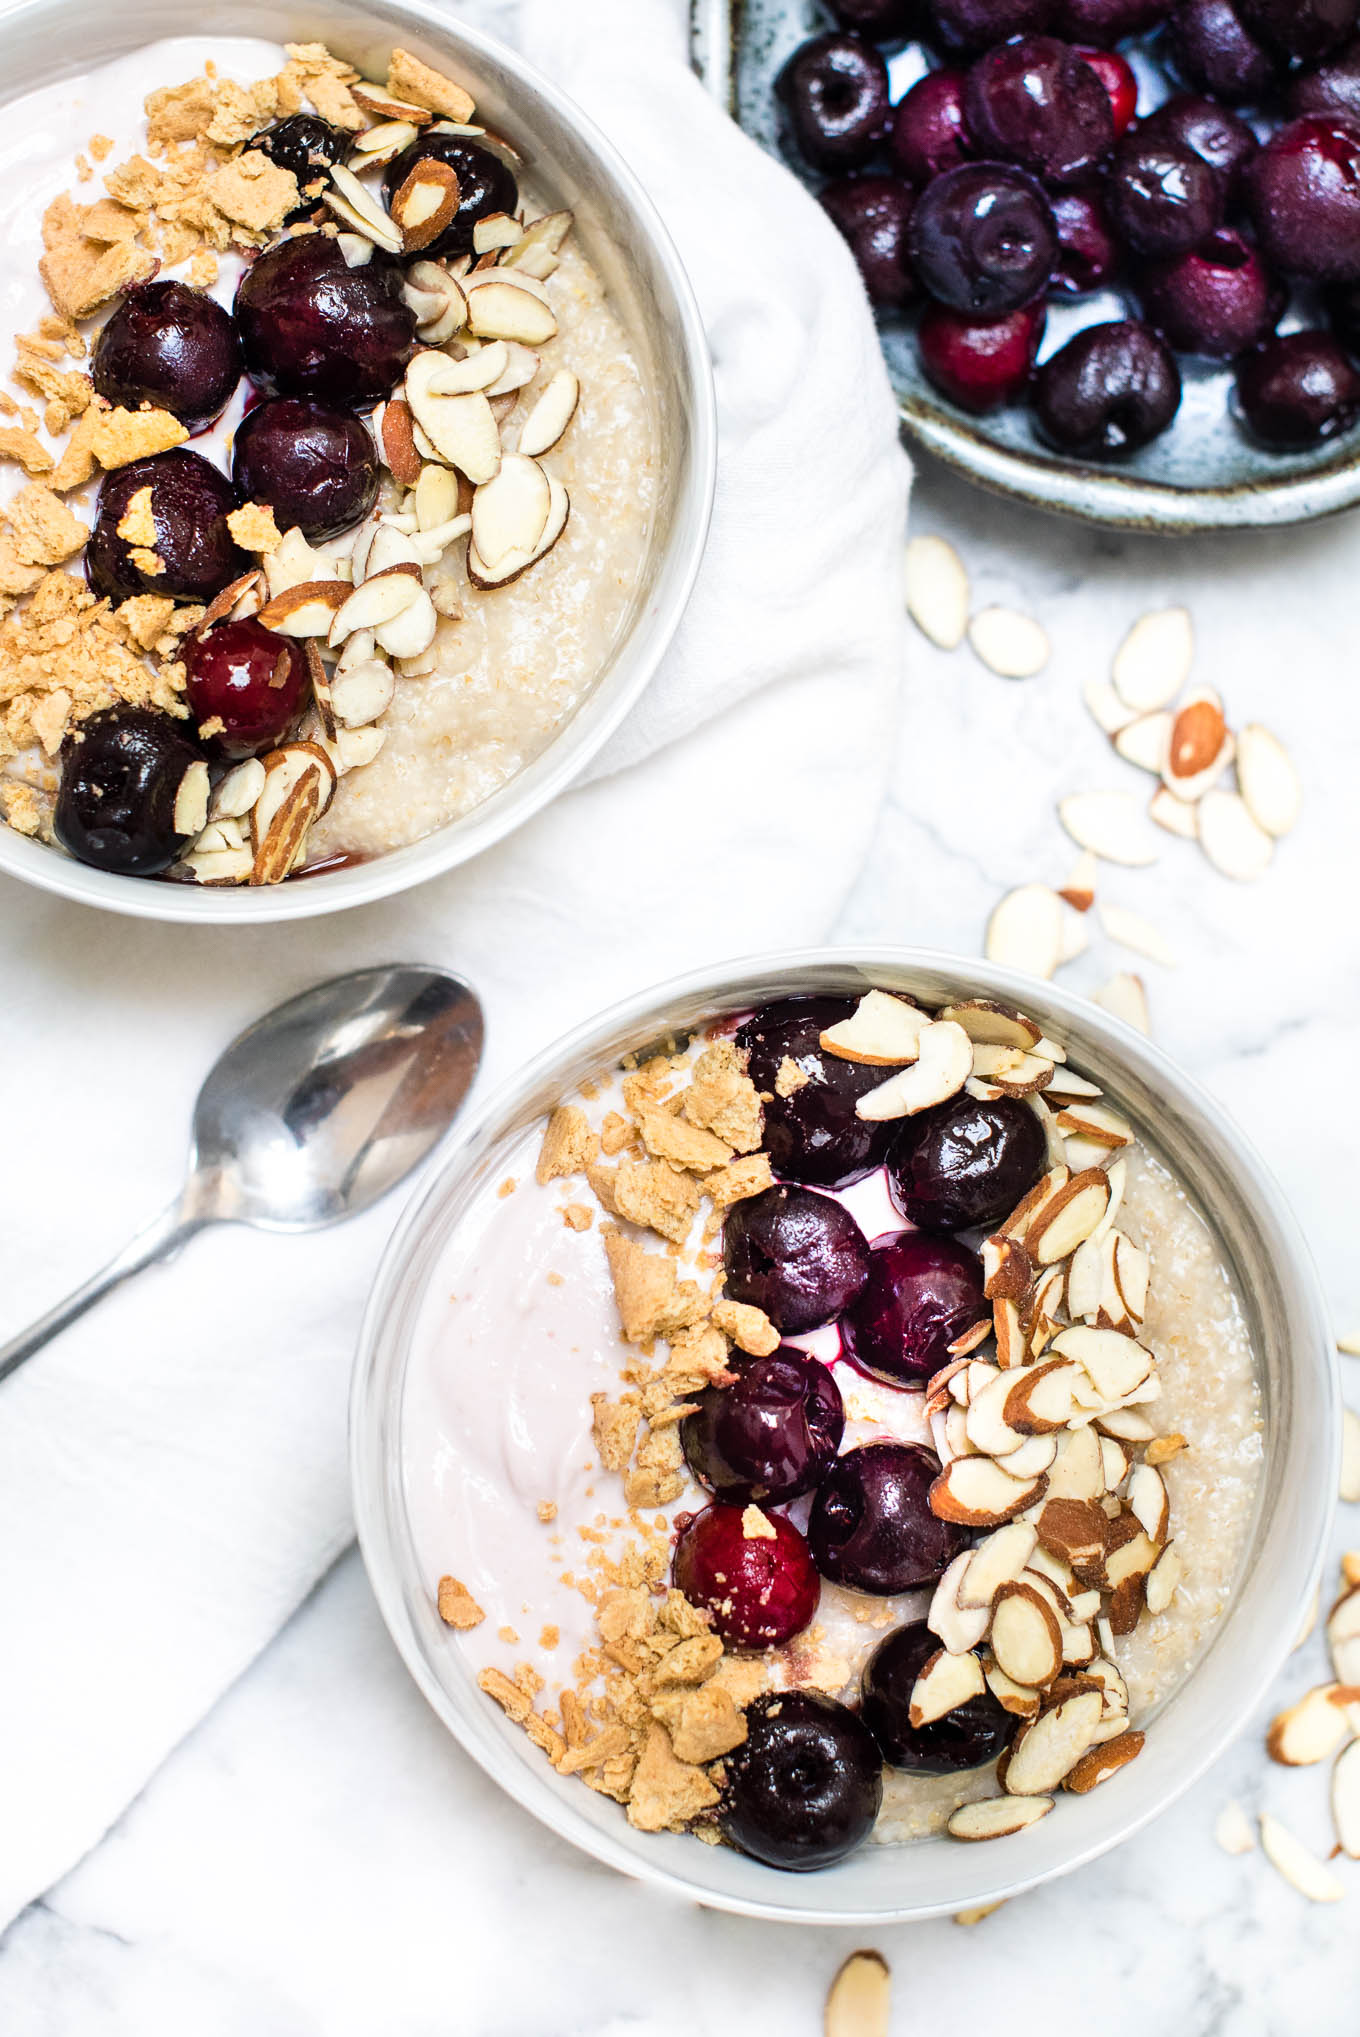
985	1421
961	1628
1267	780
375	602
482	575
1025	1636
223	603
1116	1365
860	2001
1300	1868
995	1025
501	307
479	370
361	694
1096	1121
1125	997
1350	1456
1026	930
1343	1638
1129	1425
383	106
410	632
1153	662
190	815
883	1031
1015	1698
1068	1085
945	1682
1197	747
1234	843
536	252
1045	1752
1068	1218
1007	1270
1346	1800
510	512
1148	1502
1135	1556
1175	815
1146	742
997	1817
425	202
1013	1073
460	427
1078	1472
495	230
436	497
1012	1341
1111	825
974	1492
551	414
1076	1531
1012	645
1080	889
356	206
1040	1399
1131	930
235	794
938	595
995	1561
398	442
357	747
943	1064
306	610
1309	1731
1233	1830
1105	707
1102	1762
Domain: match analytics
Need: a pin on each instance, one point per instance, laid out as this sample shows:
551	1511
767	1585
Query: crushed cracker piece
45	531
99	146
749	1175
657	1196
614	1427
577	1216
790	1078
757	1527
683	1144
652	1301
547	1510
666	1792
146	617
507	1695
749	1328
457	1607
254	528
180	112
254	192
419	85
26	448
722	1098
657	1476
616	1133
569	1145
117	437
704	1724
137	525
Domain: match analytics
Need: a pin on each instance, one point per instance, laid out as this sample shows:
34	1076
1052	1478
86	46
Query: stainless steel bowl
1280	1567
621	232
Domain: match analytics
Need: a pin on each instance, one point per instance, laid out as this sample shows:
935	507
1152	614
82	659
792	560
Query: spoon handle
157	1241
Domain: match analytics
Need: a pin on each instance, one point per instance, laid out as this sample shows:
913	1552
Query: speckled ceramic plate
1201	475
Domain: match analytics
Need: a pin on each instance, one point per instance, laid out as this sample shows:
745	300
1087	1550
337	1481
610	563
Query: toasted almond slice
551	414
1007	1270
536	253
1106	708
1343	1637
1346	1800
1111	825
1015	1698
461	428
1068	1218
1027	1209
1267	780
1078	1472
384	107
235	794
945	1682
1300	1868
1080	889
1095	1121
376	601
436	497
1133	1559
1128	1425
1126	998
510	513
1069	1085
398	442
994	1025
1309	1731
1114	1463
502	307
995	1561
1040	1399
1117	1365
882	1030
1131	930
1026	930
425	202
1025	1636
985	1422
514	563
1013	1074
997	1817
481	370
961	1628
1102	1762
1233	1829
361	694
412	630
943	1064
306	610
1012	645
860	2001
495	230
353	203
1075	1531
937	591
1044	1753
1173	814
521	365
1234	843
356	747
1145	742
1153	662
1148	1502
1350	1455
974	1492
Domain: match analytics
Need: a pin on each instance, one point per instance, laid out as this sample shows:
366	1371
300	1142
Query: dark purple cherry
805	1786
485	185
980	363
120	772
983	240
1088	251
871	1528
835	89
929	132
1332	91
171	347
812	1133
190	499
1118	77
1036	103
1217	300
761	1590
1304	194
1297	391
923	1293
874	214
1162	197
307	146
977	24
1215	51
880	20
1220	137
249	678
966	1164
1106	22
312	326
315	467
1306	29
968	1737
796	1254
1110	390
771	1434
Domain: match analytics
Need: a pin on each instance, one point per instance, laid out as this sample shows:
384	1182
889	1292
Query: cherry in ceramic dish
1034	102
1299	389
804	1788
1303	190
980	363
1212	48
1214	132
1217	300
835	91
982	239
1163	198
1089	255
977	24
1110	390
930	128
874	214
760	1590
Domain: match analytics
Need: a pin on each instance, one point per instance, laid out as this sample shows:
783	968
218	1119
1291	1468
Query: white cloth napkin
172	1471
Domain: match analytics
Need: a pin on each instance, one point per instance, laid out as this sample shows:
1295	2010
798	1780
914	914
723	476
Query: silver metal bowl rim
599	714
369	1467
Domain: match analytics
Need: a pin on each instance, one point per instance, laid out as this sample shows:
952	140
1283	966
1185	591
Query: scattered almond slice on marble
944	1061
860	2000
1350	1568
1267	780
1234	843
1125	996
1146	741
1131	930
1080	889
1111	825
1349	1344
1174	815
1309	1731
1026	930
1233	1829
938	594
1012	645
1106	708
997	1817
1350	1455
882	1031
1346	1800
1300	1868
1199	749
1153	662
1343	1638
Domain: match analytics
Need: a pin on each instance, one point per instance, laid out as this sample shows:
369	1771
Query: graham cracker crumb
507	1187
326	82
614	1427
408	78
750	1175
577	1216
26	448
616	1132
757	1527
79	273
722	1098
146	617
21	807
657	1196
67	641
652	1301
99	146
137	526
683	1144
550	1638
508	1635
508	1695
457	1607
790	1078
254	192
254	528
569	1145
77	463
44	530
146	561
749	1328
547	1510
703	1724
666	1793
203	269
179	112
1163	1448
117	437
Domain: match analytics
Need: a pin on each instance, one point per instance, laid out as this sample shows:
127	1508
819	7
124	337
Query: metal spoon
309	1116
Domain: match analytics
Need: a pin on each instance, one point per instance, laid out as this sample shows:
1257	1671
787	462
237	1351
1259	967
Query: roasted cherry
929	131
1221	137
971	1735
1217	300
1106	22
1306	29
171	347
1332	90
312	326
1111	389
1298	390
922	1294
836	91
982	239
874	214
979	363
977	24
307	146
871	1528
1163	198
966	1164
880	20
1036	103
771	1434
761	1590
805	1786
250	679
1117	75
190	499
485	185
121	770
1088	250
1213	49
1304	194
315	467
811	1131
799	1256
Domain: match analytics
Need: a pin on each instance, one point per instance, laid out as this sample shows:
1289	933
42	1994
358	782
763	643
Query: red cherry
761	1590
1121	86
980	363
251	680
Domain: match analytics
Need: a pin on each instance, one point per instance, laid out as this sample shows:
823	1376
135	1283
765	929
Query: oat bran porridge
328	472
702	1433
